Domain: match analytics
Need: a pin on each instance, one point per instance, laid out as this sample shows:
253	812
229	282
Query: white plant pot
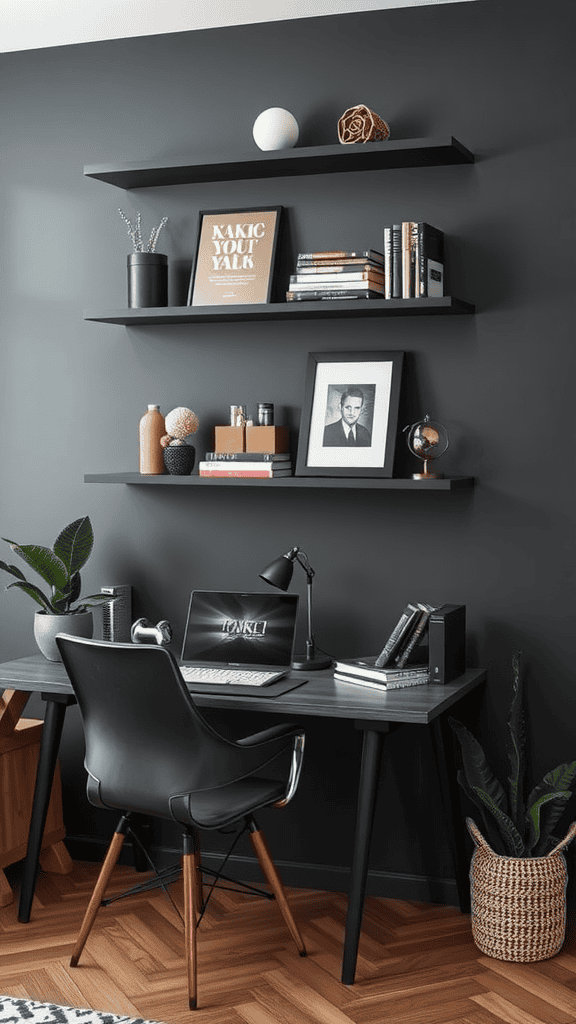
47	626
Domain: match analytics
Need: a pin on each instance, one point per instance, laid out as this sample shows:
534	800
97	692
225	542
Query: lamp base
302	664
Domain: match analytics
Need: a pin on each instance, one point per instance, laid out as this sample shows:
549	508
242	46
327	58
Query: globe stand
425	475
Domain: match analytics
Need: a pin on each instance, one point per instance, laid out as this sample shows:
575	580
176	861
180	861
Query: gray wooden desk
322	696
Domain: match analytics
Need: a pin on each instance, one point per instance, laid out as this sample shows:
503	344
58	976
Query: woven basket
518	903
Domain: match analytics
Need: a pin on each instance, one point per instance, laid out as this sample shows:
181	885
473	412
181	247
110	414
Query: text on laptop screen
251	629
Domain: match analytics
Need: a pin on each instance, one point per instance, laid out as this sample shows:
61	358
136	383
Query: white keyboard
240	676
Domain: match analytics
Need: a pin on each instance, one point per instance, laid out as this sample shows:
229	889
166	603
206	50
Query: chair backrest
146	740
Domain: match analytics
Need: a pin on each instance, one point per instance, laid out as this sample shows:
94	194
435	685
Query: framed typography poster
235	256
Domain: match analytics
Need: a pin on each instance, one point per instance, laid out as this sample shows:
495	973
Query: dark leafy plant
513	828
59	567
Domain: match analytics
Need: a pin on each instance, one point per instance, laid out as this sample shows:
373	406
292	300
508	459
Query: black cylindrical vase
147	279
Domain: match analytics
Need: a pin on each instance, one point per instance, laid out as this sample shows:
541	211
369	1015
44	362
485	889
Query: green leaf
44	562
71	593
488	828
34	592
74	544
511	838
515	747
94	599
476	769
13	570
543	814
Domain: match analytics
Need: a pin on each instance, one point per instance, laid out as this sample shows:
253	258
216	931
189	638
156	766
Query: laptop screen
240	629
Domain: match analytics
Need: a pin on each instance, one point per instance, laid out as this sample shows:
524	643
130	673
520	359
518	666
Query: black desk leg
443	747
367	791
49	745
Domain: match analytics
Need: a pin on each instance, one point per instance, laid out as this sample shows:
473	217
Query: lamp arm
302	559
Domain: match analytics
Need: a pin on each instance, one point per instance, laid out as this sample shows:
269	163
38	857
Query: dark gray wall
499	77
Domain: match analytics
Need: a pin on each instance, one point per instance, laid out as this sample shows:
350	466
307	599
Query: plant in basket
518	873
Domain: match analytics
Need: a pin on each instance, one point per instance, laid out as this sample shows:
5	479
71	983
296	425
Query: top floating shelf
370	156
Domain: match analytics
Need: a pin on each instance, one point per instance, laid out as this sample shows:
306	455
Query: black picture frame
236	253
377	376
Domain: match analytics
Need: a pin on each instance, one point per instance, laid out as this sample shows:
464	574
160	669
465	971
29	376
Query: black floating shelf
370	156
365	483
305	310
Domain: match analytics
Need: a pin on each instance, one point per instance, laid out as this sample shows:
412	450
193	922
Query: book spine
378	674
387	263
343	267
414	639
409	235
397	684
245	467
337	254
293	296
396	261
400	631
320	284
247	457
325	280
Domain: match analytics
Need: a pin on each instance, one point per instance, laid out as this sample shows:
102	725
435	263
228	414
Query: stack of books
403	661
337	275
413	261
261	465
363	672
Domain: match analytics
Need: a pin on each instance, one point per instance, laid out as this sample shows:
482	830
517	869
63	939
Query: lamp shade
279	572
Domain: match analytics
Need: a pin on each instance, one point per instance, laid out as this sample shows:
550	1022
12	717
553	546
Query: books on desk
363	672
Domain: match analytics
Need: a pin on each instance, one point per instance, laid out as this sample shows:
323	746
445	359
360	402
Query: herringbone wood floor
417	963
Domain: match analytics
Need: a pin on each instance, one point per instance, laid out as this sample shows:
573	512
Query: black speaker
447	642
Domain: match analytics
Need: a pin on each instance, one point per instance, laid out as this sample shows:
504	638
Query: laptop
235	638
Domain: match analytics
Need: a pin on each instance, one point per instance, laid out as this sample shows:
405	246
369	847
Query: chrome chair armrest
295	769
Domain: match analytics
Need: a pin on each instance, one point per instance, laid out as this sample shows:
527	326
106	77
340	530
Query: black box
447	642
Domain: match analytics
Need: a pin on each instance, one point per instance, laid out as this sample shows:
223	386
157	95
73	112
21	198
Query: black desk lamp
279	574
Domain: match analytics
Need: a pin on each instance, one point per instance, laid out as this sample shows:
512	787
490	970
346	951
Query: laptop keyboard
242	677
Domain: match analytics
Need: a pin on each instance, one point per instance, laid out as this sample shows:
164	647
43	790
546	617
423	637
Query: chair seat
223	806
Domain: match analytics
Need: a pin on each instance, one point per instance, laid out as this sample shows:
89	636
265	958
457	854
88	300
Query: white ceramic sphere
275	128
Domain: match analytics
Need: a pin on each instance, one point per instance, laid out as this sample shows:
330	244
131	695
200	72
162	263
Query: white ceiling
29	24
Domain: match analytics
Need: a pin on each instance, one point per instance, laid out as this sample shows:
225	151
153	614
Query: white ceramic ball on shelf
275	128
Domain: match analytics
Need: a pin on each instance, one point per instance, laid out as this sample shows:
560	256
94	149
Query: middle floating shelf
322	310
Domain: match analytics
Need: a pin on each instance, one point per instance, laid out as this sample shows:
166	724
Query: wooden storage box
19	750
267	439
229	439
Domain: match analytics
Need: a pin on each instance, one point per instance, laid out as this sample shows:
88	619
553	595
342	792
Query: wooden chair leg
192	907
270	871
106	870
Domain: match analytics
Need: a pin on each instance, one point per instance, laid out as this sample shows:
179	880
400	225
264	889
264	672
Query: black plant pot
179	459
147	280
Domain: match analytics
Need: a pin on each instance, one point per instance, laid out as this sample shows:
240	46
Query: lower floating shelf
453	483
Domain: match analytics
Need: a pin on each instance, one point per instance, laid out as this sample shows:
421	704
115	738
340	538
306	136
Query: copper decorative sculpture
360	124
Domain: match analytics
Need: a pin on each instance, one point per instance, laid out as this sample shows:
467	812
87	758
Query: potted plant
63	611
518	873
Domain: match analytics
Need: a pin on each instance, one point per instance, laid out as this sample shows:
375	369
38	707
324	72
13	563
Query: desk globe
427	440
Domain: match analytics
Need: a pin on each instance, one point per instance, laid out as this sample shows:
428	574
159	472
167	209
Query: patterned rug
26	1011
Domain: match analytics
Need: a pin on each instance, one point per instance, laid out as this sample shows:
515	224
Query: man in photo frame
347	432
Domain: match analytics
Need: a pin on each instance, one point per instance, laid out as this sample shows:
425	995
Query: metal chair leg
106	870
270	871
192	909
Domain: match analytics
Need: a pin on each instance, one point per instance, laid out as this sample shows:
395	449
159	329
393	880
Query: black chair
150	751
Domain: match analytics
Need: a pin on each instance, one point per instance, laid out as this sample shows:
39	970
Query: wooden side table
19	751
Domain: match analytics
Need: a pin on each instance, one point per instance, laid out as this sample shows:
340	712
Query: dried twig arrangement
136	232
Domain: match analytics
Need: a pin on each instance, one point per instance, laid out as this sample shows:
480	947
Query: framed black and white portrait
350	414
